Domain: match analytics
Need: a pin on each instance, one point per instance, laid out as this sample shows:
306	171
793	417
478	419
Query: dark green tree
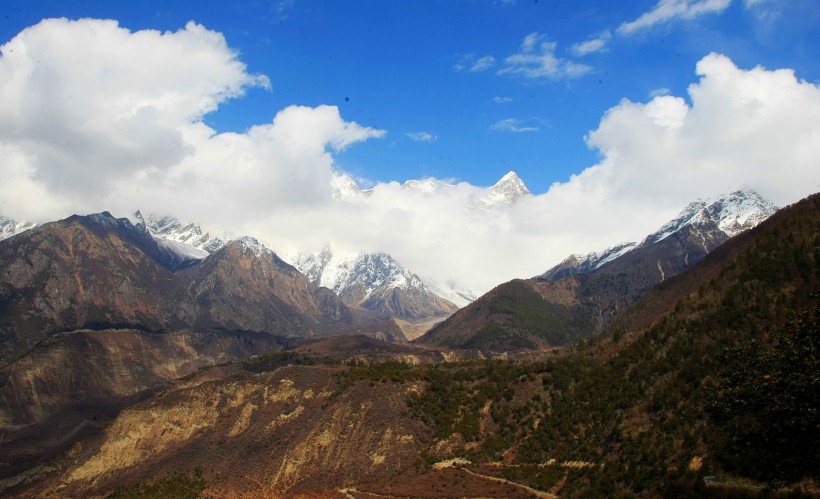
768	403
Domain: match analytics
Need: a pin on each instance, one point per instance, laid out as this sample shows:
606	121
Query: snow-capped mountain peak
374	281
427	185
733	213
341	272
741	211
714	220
346	189
9	227
172	229
583	264
506	191
254	246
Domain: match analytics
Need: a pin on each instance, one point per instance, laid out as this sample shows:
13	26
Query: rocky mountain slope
582	294
100	272
94	271
644	410
244	285
373	282
716	220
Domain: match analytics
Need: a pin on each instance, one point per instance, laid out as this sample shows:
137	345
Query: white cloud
422	137
669	10
502	100
483	64
514	125
85	127
597	44
99	118
660	92
756	127
469	62
537	61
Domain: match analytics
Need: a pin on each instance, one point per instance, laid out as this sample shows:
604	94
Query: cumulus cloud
756	128
422	137
502	100
81	130
596	44
669	10
514	125
96	117
537	61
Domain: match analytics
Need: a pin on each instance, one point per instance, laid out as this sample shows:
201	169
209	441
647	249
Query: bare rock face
85	271
246	286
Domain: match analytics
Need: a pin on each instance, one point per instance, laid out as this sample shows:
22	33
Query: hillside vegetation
724	385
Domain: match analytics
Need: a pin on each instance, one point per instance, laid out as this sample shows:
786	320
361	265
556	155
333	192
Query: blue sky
394	65
242	117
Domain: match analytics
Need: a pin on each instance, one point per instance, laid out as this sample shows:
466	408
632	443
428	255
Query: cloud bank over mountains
94	117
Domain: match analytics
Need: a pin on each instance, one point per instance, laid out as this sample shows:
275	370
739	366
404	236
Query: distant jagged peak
248	243
173	229
511	178
732	212
506	191
373	270
429	185
340	271
725	215
741	210
9	227
347	189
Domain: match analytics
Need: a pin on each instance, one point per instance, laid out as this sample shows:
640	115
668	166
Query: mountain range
100	272
704	385
576	298
378	283
717	220
503	193
378	286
